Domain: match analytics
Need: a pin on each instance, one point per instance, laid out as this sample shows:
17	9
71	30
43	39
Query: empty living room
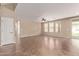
39	29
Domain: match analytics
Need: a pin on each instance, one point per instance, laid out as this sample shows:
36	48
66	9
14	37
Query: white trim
7	44
29	35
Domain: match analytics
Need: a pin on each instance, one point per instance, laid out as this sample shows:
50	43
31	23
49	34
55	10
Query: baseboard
7	44
30	35
58	36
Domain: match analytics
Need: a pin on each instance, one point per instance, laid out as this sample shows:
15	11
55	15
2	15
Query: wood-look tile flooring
42	46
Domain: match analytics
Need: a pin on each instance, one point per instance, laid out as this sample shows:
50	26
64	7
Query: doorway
7	30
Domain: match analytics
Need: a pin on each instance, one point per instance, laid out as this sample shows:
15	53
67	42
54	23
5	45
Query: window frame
46	27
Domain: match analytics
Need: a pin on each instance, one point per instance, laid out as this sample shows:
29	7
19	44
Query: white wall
6	12
30	28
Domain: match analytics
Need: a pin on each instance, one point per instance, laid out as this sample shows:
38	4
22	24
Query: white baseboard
7	44
29	35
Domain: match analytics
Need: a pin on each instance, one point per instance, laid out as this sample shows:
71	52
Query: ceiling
49	11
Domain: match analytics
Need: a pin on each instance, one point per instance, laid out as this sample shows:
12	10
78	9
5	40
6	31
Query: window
75	29
45	27
56	27
51	27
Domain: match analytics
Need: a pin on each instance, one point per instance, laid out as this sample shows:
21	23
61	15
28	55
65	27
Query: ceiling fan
43	20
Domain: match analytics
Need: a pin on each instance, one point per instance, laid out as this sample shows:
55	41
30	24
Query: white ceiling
51	11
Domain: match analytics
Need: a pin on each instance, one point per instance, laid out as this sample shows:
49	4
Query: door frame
14	29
